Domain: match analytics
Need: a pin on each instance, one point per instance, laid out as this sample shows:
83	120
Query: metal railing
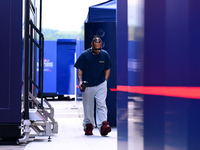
29	33
40	46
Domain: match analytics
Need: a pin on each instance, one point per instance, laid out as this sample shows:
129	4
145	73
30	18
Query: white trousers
91	94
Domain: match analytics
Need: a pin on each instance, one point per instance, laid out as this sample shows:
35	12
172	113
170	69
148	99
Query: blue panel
154	48
50	60
170	58
176	52
193	42
15	60
194	71
122	74
65	66
11	67
10	63
4	53
154	122
135	63
193	124
176	111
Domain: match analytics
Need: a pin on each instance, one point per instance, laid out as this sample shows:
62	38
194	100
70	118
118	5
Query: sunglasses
96	48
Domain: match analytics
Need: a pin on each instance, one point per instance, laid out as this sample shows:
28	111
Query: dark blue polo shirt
93	66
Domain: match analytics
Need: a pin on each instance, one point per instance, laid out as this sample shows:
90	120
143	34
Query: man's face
96	47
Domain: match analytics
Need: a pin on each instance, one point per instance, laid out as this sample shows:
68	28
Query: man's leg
101	108
88	106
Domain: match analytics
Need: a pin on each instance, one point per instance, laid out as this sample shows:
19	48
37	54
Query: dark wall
107	32
122	74
163	74
170	60
10	65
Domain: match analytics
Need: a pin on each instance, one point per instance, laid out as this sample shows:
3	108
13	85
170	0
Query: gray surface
69	116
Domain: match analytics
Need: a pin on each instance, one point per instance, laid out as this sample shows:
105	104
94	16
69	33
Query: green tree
53	35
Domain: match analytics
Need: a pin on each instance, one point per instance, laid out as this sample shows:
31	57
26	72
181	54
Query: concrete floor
69	115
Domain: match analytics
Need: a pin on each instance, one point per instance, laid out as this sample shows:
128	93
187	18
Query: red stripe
112	89
185	92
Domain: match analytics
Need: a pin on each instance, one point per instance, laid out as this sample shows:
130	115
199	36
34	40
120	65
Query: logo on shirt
101	62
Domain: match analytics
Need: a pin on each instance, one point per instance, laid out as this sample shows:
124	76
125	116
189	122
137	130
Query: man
94	67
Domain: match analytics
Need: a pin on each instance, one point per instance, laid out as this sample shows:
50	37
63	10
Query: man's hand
80	87
107	74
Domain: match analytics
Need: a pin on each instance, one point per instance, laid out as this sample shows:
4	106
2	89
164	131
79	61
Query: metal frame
40	115
40	46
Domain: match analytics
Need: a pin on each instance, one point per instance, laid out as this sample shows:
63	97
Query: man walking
94	67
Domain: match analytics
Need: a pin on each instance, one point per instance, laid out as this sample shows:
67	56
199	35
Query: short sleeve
80	62
108	63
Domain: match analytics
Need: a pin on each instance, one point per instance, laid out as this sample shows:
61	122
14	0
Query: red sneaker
88	130
105	128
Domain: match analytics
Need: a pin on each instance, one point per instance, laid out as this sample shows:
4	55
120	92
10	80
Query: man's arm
79	75
107	74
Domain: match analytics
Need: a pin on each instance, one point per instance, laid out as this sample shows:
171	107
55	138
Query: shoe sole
88	133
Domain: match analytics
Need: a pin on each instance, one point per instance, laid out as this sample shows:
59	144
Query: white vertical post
74	106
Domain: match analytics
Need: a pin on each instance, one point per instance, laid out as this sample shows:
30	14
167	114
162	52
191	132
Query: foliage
53	35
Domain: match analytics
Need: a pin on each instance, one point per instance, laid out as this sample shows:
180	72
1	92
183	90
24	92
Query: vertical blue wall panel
122	74
154	46
168	57
194	72
50	67
154	74
65	66
11	66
